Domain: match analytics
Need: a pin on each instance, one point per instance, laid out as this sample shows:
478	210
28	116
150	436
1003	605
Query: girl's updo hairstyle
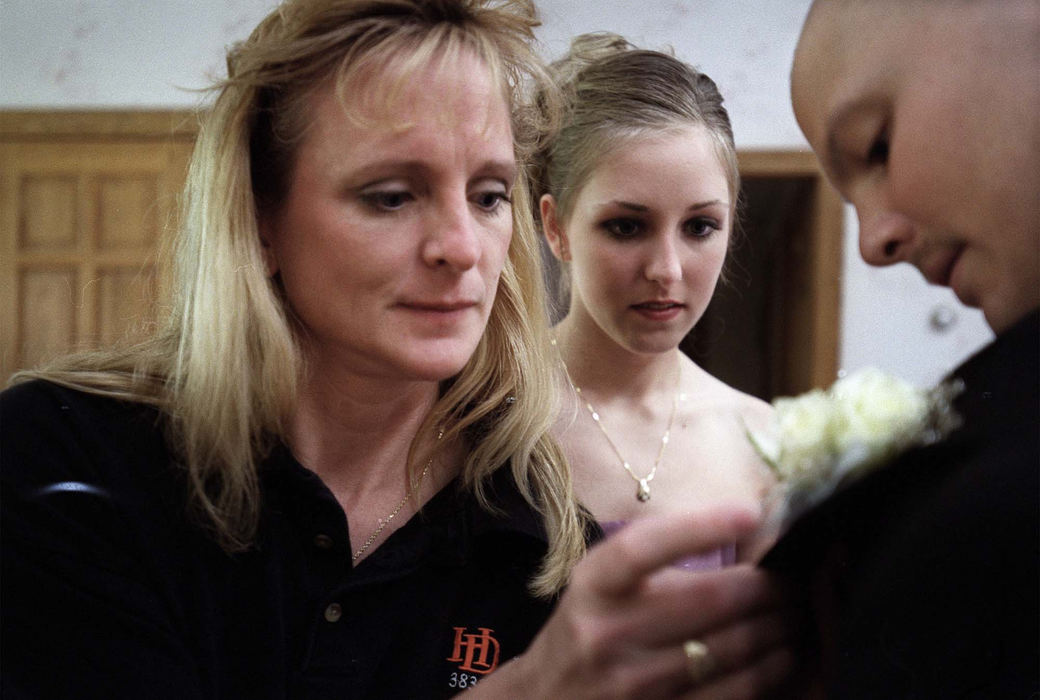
613	93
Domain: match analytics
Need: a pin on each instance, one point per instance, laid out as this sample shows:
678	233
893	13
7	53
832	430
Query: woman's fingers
763	678
741	645
745	660
620	564
620	627
675	604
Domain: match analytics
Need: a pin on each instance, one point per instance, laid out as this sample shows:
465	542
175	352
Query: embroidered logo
475	653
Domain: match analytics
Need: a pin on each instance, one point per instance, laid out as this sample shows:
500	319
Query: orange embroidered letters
478	648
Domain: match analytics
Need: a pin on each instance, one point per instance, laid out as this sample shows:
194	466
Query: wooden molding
778	163
813	333
30	125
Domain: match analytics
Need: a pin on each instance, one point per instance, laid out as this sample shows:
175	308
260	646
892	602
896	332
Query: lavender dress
710	561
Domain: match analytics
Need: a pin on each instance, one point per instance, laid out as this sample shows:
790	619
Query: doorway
772	328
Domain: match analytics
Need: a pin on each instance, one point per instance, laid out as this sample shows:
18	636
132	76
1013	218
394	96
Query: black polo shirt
109	591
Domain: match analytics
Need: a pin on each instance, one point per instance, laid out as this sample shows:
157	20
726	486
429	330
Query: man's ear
554	233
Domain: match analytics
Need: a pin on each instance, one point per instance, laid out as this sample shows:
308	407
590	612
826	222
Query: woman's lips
439	311
445	307
658	310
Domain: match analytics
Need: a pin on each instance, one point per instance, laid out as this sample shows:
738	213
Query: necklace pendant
643	492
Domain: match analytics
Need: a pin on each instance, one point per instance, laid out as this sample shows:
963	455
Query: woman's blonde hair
614	93
225	365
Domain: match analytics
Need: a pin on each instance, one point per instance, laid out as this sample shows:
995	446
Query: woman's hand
620	628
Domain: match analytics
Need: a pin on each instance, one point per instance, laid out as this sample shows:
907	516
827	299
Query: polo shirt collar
450	529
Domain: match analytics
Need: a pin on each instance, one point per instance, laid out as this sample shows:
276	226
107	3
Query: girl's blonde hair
225	364
614	93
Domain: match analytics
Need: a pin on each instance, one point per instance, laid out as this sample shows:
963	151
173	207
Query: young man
924	115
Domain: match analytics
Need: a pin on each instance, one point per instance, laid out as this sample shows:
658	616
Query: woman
637	194
356	332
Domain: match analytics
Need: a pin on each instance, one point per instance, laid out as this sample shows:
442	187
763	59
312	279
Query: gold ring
699	663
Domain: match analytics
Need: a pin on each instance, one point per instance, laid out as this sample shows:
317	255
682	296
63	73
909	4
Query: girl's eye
623	228
391	200
702	227
491	200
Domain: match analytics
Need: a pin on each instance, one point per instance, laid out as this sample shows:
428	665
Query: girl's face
395	230
646	239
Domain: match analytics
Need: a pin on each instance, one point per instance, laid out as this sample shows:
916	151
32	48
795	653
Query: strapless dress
708	561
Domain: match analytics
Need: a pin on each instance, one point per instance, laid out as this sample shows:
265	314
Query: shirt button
334	612
323	542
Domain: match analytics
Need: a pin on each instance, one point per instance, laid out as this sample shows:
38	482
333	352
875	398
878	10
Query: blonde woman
637	193
330	474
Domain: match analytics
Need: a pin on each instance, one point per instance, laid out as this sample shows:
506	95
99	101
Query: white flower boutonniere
823	439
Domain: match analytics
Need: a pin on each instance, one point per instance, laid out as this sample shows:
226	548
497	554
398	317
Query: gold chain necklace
643	488
383	522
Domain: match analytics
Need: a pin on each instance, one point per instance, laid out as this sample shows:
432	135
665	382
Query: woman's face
924	116
646	239
395	229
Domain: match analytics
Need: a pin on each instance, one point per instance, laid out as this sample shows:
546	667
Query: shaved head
923	114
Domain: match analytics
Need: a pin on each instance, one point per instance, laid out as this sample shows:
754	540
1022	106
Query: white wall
151	53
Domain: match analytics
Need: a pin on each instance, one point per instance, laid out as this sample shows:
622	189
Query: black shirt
110	591
934	560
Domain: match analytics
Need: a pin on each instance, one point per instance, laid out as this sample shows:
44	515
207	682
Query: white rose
806	428
820	440
876	416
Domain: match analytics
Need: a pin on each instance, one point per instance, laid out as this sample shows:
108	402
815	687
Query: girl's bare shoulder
704	393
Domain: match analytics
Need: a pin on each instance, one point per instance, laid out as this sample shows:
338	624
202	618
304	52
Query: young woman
232	510
637	193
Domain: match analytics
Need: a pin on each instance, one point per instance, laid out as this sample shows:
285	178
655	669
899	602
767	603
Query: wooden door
84	202
773	330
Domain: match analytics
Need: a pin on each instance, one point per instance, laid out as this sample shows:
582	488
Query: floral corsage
822	440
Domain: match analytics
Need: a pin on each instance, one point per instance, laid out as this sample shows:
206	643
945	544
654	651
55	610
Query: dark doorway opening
742	338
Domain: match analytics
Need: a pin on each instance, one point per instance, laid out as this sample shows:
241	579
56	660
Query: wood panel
773	329
812	291
85	200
